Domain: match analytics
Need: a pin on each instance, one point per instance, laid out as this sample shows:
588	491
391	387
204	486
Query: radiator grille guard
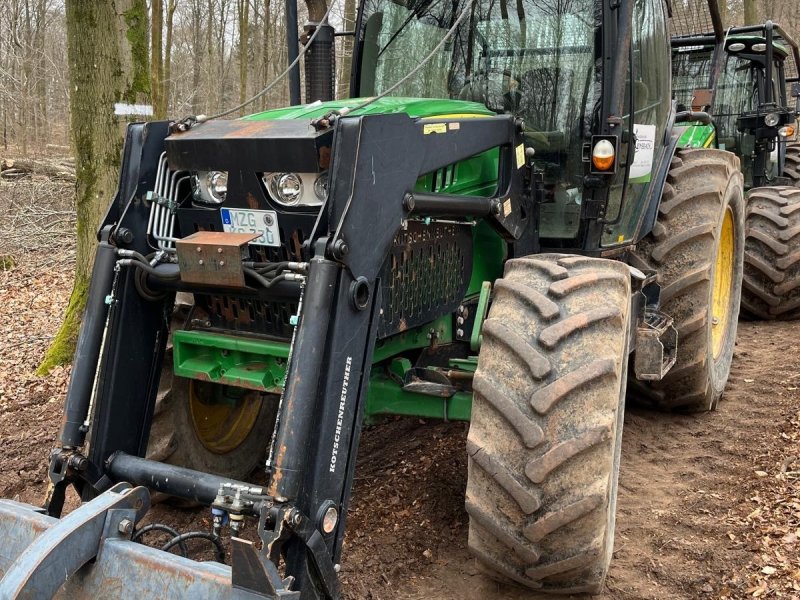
425	276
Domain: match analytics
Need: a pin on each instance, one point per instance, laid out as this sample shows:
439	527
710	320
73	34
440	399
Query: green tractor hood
413	107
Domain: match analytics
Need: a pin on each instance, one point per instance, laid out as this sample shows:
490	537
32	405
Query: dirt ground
709	506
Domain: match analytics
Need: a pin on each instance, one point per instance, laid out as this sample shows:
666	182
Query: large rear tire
772	254
206	426
697	249
545	434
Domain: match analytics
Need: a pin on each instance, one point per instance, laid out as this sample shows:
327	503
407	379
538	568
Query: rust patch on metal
249	129
277	471
213	258
324	157
251	200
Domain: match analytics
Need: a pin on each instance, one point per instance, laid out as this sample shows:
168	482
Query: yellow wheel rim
723	286
223	416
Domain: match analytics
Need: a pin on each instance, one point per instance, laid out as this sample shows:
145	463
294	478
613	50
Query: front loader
497	227
746	80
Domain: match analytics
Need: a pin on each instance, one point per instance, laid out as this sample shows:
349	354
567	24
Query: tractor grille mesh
231	313
690	17
426	274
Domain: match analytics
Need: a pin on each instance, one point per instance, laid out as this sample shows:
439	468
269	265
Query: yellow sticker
429	128
507	207
520	156
621	238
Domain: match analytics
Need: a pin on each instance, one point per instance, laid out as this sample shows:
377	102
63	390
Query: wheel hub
222	416
723	285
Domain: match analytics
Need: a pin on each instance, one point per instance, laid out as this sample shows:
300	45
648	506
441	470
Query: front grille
426	274
247	315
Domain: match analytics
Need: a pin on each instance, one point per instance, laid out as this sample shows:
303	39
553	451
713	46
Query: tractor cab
545	66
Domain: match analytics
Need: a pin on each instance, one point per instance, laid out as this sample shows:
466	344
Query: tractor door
650	74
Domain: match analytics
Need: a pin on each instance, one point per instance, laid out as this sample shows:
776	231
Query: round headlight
772	119
289	188
301	190
321	186
210	187
217	185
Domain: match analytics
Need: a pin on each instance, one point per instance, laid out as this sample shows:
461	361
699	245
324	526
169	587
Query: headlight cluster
210	187
297	189
287	189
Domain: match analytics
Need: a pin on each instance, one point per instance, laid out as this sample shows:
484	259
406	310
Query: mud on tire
791	169
684	248
545	433
772	254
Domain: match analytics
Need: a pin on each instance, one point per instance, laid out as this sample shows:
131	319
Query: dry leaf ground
709	505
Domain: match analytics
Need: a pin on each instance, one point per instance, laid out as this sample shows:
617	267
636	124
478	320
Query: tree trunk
348	24
244	37
750	12
156	59
316	10
197	46
104	69
171	6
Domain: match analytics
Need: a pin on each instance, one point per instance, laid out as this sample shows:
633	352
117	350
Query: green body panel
225	359
386	397
261	365
414	107
695	135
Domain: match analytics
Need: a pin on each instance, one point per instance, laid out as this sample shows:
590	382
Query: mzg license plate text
263	222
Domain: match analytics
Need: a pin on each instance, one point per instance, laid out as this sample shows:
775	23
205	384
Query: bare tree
104	69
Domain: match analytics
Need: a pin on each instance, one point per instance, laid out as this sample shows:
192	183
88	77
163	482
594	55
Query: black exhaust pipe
320	60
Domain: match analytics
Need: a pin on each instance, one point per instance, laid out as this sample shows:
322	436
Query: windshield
534	59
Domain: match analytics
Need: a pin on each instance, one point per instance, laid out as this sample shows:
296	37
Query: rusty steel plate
214	258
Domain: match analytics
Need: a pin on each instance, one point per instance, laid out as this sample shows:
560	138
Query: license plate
263	222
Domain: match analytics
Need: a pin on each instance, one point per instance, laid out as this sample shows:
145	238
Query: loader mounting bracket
41	569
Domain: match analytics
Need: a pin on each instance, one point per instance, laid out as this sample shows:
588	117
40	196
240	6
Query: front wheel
209	427
545	434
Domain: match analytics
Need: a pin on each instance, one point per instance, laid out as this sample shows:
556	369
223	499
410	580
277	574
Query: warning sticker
642	166
429	128
520	156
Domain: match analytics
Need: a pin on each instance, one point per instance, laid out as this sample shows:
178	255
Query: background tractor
746	79
497	227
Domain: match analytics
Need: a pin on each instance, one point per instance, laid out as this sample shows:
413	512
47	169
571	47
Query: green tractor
498	227
745	89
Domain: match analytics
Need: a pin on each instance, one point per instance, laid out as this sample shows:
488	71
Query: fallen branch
15	168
